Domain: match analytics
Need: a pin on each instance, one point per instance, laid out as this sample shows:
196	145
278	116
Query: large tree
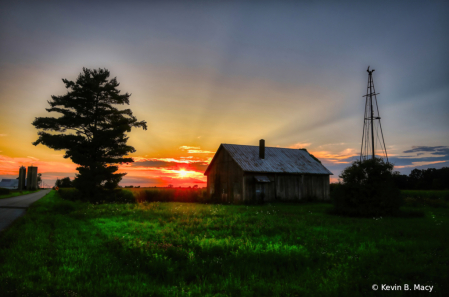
91	130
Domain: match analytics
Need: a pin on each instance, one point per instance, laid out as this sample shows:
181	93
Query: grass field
430	194
169	195
433	198
63	248
15	193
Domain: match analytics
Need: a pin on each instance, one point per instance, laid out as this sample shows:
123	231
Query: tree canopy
63	183
423	179
91	130
368	189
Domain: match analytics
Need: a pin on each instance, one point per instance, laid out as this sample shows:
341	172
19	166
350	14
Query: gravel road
13	208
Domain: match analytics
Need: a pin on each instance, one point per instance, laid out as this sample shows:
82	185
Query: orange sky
185	128
232	72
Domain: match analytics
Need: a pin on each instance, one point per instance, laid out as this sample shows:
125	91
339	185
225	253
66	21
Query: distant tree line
64	183
425	179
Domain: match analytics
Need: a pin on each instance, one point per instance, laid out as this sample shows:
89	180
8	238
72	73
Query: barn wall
250	185
287	187
224	179
227	182
283	187
294	187
316	186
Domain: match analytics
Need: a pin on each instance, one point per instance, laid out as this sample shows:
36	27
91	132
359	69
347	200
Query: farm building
11	184
243	173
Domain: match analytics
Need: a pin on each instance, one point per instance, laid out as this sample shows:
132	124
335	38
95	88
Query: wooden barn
244	173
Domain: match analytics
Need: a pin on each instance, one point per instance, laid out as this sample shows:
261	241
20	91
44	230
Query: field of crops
65	248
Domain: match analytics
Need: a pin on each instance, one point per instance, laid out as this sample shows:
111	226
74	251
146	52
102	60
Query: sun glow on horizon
182	173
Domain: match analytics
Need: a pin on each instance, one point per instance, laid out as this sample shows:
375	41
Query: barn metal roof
9	183
277	160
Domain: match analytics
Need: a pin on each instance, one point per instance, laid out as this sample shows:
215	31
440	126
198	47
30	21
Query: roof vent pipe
262	149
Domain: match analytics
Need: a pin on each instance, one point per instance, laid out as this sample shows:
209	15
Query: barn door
260	192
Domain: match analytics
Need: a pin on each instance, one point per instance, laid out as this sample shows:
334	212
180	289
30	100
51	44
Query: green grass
431	194
419	198
15	193
63	248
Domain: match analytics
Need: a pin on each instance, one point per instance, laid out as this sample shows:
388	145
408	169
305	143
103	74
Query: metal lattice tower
371	125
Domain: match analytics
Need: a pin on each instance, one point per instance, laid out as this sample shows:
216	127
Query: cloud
424	153
166	160
332	144
422	156
419	164
434	150
185	147
177	171
194	150
299	145
168	170
200	152
180	171
199	166
343	157
156	163
3	135
160	176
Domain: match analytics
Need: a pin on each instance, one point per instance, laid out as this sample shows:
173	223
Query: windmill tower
371	125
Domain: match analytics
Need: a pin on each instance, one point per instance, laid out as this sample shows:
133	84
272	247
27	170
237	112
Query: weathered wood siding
286	187
225	178
250	187
316	186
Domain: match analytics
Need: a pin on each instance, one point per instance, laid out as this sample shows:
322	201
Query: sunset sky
202	73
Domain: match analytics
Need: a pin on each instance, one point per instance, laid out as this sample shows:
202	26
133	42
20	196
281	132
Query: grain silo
22	176
32	178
